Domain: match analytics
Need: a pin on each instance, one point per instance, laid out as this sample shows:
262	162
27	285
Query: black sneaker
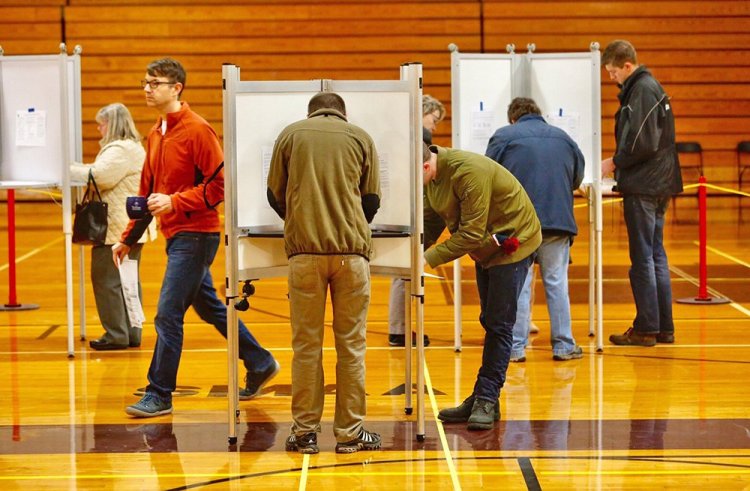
307	443
366	440
462	413
482	415
255	382
400	339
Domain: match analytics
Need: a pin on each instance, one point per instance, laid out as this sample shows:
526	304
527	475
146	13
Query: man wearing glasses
184	182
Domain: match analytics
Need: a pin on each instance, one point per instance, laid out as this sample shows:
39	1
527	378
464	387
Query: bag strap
96	188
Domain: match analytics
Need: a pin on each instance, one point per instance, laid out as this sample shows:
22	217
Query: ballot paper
129	280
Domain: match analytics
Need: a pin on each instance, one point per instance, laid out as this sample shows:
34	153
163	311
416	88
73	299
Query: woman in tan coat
117	172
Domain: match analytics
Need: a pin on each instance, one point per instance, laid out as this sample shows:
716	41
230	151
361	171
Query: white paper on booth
266	154
570	123
385	177
129	280
31	128
482	124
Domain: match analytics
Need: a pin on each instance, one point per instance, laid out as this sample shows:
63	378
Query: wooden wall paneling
269	40
30	30
699	51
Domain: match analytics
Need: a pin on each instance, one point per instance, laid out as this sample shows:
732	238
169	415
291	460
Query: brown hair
521	106
619	52
168	68
327	100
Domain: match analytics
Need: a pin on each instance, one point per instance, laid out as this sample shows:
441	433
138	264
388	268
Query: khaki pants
348	277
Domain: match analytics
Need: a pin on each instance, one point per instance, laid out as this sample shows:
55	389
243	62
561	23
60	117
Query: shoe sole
518	360
143	414
303	450
567	357
357	447
265	382
645	345
109	347
480	426
462	420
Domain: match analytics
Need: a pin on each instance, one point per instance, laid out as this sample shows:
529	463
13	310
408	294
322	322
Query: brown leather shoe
631	337
665	337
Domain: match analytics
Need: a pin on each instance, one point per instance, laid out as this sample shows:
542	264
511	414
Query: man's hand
160	204
119	252
608	166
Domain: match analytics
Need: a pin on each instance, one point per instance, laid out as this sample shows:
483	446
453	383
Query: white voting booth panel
567	89
265	257
40	135
481	90
40	128
261	116
563	87
254	115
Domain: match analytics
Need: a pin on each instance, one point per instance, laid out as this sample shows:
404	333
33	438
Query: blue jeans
649	271
187	281
499	288
553	257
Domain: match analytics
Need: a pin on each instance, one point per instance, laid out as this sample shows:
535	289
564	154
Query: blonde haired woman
117	172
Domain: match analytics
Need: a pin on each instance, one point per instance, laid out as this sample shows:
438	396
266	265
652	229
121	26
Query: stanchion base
408	410
420	438
704	301
20	306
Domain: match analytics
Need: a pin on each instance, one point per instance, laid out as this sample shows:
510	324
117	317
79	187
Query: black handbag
90	222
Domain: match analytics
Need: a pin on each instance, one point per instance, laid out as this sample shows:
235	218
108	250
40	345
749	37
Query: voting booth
567	89
390	111
40	135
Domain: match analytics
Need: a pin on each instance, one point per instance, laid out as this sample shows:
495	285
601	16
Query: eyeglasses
154	84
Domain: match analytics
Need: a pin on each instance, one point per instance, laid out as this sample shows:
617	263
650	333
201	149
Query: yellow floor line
710	290
441	431
724	254
305	470
34	251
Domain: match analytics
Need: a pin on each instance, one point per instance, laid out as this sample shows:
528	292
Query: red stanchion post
703	296
12	298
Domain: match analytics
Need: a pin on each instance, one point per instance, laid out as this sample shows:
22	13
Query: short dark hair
521	106
327	100
169	68
619	52
426	152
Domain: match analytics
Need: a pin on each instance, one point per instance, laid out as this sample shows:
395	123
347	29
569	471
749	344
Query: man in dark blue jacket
647	172
550	166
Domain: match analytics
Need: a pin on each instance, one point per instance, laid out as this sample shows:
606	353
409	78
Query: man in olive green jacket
491	218
324	183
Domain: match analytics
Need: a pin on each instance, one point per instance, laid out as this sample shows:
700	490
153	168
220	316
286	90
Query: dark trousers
649	270
499	288
110	302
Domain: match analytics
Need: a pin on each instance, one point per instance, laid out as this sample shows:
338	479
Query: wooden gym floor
672	416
